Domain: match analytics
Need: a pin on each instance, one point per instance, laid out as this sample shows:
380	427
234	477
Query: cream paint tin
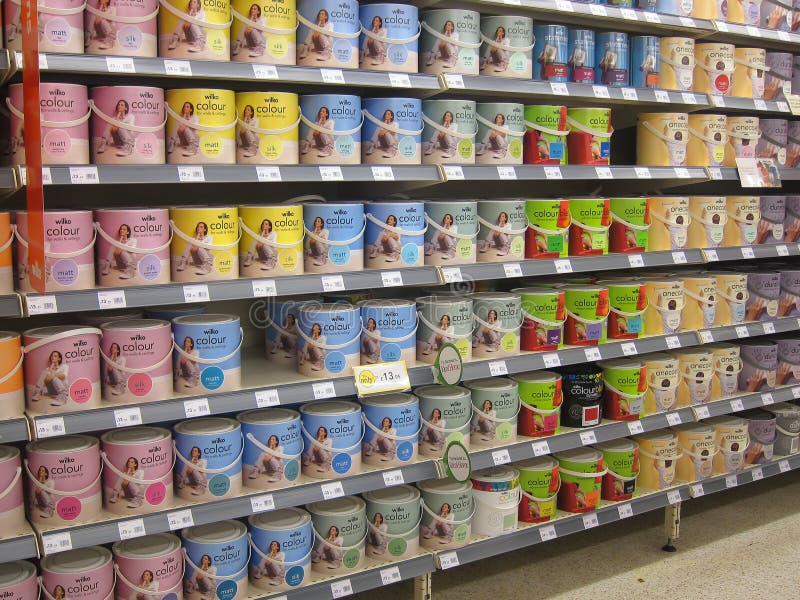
744	213
661	139
698	448
696	368
670	223
663	378
733	296
732	438
496	492
714	68
727	366
708	216
708	136
700	297
665	305
658	456
676	68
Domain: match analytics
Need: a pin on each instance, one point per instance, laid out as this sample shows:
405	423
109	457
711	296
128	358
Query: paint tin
444	320
209	458
6	254
545	141
329	339
670	228
772	213
733	296
266	131
582	471
496	493
201	124
334	237
124	29
393	517
681	8
447	511
452	231
389	329
612	59
151	565
392	427
340	528
392	133
663	378
796	66
630	223
778	78
658	456
539	482
497	324
272	447
394	234
389	34
83	574
194	29
541	396
550	53
446	413
449	133
761	429
645	61
332	436
710	9
330	129
206	353
495	406
543	315
749	74
624	387
708	136
587	310
676	64
789	305
791	226
12	381
582	387
700	302
450	41
503	224
582	60
696	369
732	439
714	68
589	139
707	218
501	127
63	480
627	304
788	361
662	139
271	242
743	136
280	549
217	557
132	246
264	33
328	33
60	24
793	145
18	580
11	498
507	42
759	365
698	447
727	366
787	425
281	331
747	12
774	139
590	222
621	458
764	289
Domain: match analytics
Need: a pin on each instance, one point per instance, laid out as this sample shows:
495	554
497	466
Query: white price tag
501	457
559	88
769	327
673	341
506	172
448	560
391	478
783	106
392	278
628	348
512	269
592	354
191	174
131	529
710	255
753	31
381	378
331	173
41	305
268	174
661	96
652	17
737	405
399	80
747	252
332	76
643	173
452	275
540	448
702	412
742	331
796	392
673	418
721	26
180	519
600	91
630	93
265	71
266	398
83	175
598	10
340	589
323	389
120	64
604	172
498	368
563	265
588	437
625	510
382	173
757	473
564	5
715	172
128	417
332	490
108	299
390	575
553	173
551	361
196	408
731	481
262	503
706	337
56	542
688	22
182	68
50	427
696	490
590	521
196	293
547	532
454	80
628	13
42	61
782	250
718	101
688	98
784	466
332	283
760	104
682	173
679	258
635	427
453	172
674	496
767	399
264	288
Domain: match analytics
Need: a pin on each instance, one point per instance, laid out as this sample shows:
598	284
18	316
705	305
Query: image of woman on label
187	368
648	67
383	444
445	50
388	242
113	377
485	421
664	395
443	141
444	243
486	335
494	141
267	255
432	432
317	42
120	259
192	477
312	352
192	33
202	259
328	550
608	64
268	567
322	142
384	139
317	249
247	138
578	58
185	136
252	38
319	452
498	53
52	383
370	344
375	45
127	489
59	593
442	528
203	579
376	536
42	499
547	57
444	335
500	240
268	463
287	340
146	582
102	30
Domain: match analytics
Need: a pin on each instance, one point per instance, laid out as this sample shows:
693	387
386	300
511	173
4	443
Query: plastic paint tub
743	136
83	574
132	246
209	458
330	129
329	336
713	69
60	26
332	436
624	387
64	109
727	366
696	369
447	511
545	141
589	139
12	381
630	223
550	53
788	361
63	480
495	406
501	127
749	75
761	428
700	302
392	133
645	61
127	125
506	46
393	517
217	556
451	236
389	34
676	64
391	429
503	224
793	145
328	33
446	414
496	493
201	125
6	254
334	237
698	447
272	447
271	242
764	289
789	305
587	310
539	481
548	227
732	439
264	33
498	320
280	549
125	29
194	29
543	315
152	564
612	58
590	223
541	396
681	8
389	329
449	133
582	388
280	328
787	424
627	304
206	353
707	218
772	212
663	378
759	365
340	531
662	139
708	137
394	234
444	320
582	59
774	139
18	580
11	497
733	295
582	471
267	128
776	15
671	218
658	456
710	9
791	225
778	78
747	12
450	41
621	458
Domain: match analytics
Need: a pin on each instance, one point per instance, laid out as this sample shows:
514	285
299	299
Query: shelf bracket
672	526
422	587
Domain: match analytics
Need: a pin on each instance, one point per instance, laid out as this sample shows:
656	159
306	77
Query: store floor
740	543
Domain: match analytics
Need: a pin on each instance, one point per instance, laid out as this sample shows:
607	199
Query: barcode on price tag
399	80
128	417
769	327
323	389
600	91
661	96
636	260
394	477
120	64
635	427
673	418
588	437
196	408
178	67
628	348
262	503
453	172
625	510
268	174
598	10
643	173
390	575
512	269
652	17
553	173
506	172
501	457
498	368
196	293
332	75
757	473
592	354
559	89
540	448
191	174
331	173
630	93
180	519
688	98
604	173
796	392
767	399
674	496
340	589
83	175
742	331
56	542
50	427
448	560
266	398
696	490
737	405
706	337
332	490
547	532
265	71
629	14
452	275
784	466
41	305
382	173
673	341
563	266
590	521
702	412
551	360
710	255
131	529
760	104
454	80
263	288
731	481
392	278
682	173
679	258
747	252
782	250
332	283
107	299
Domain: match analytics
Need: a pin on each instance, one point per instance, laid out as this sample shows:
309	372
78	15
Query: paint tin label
676	58
328	339
708	136
550	53
217	569
662	139
501	127
126	28
612	59
646	61
506	47
334	237
750	72
445	415
452	231
548	226
264	33
281	331
332	441
392	131
267	128
449	134
388	333
272	448
630	224
502	228
545	140
206	353
497	325
442	321
201	126
281	557
670	223
582	60
392	430
209	463
589	139
328	33
395	234
714	68
330	130
127	125
587	309
197	29
450	41
389	38
447	517
272	241
591	220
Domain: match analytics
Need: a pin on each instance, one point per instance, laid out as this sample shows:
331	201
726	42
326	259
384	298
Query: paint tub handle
141	590
743	451
117	472
370	217
199	243
52	124
381	432
540	411
120	19
750	65
121	124
617	311
724	372
699	298
258	27
393	127
618	219
661	136
593	132
190	19
756	217
535	499
11	485
317	344
440	519
601	229
196	125
210	361
550	231
705	138
493	327
283	563
62	12
395	536
785	432
259	238
49	254
223	577
328	242
676	65
7	244
652	386
553	324
15	369
331	449
28	348
453	234
678	455
117	244
543	129
449	40
480	413
305	198
707	375
445	130
345	548
666	221
734	134
588	321
494	44
189	463
733	300
442	332
444	429
582	475
711	455
327	131
477	500
507	230
264	448
73	493
261	131
623	394
125	369
503	130
622	477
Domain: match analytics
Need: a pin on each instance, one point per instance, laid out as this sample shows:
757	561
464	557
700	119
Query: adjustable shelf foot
672	525
422	587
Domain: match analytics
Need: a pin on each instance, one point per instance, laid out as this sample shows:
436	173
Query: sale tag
590	521
83	175
131	529
108	299
796	392
661	96
731	481
769	327
688	22
714	172
266	398
635	427
747	252
196	293
767	399
41	305
390	575
710	255
629	14
553	173
182	68
331	173
696	490
559	89
264	288
191	174
547	532
600	91
323	389
196	408
506	172
674	496
688	98
782	250
448	560
643	173
760	104
563	265
598	10
652	17
628	348
625	510
382	173
592	354
784	466
551	361
332	490
783	106
498	368
706	336
56	542
682	173
381	378
453	172
673	341
454	80
540	448
391	478
340	589
452	275
737	405
742	331
261	71
332	76
128	417
50	427
701	412
262	503
673	418
564	5
180	519
679	258
757	473
391	278
332	283
604	172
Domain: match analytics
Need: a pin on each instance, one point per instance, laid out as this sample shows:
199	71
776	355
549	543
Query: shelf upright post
422	587
672	525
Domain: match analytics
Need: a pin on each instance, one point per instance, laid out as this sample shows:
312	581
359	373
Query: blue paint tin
389	329
216	561
392	133
327	33
612	58
272	447
285	566
328	342
209	458
389	38
334	237
645	61
647	5
206	355
391	432
550	53
681	8
395	234
332	434
280	329
330	129
581	55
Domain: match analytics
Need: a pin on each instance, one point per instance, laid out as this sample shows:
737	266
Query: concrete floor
740	543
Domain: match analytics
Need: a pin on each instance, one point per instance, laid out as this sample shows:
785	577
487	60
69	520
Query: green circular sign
465	148
449	365
461	534
397	547
457	463
351	558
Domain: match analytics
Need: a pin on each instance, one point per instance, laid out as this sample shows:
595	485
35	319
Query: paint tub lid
135	324
44	332
107	316
581	369
8	453
661	435
442	392
330	407
352	205
694	429
620	282
492	384
15	572
620	363
500	296
327	307
684	353
268	416
401	494
149	546
444	486
135	435
721	346
784	409
500	474
537	377
8	335
205	319
386	303
539	463
432	300
178	309
125	209
391	400
339	507
579	455
620	445
207	426
758	343
572	287
758	414
77	561
215	533
285	519
727	421
535	291
60	445
658	356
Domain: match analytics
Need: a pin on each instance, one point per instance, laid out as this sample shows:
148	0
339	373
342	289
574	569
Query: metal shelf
10	306
721	483
750	106
572	173
732	174
745	402
19	547
749	34
14	430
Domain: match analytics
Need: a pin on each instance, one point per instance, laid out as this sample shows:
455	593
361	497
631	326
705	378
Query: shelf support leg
422	587
672	525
